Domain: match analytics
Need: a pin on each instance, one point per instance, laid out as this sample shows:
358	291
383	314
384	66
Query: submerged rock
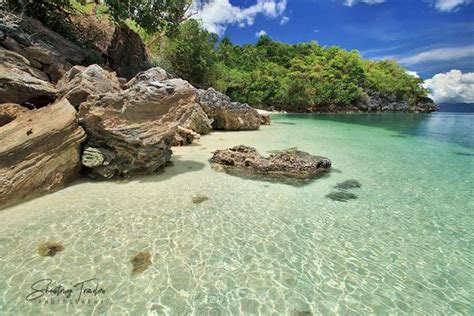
341	196
50	248
197	199
140	262
348	184
42	151
227	115
185	136
244	160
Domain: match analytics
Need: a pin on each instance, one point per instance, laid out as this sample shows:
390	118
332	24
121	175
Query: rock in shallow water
140	262
341	196
348	184
244	160
50	248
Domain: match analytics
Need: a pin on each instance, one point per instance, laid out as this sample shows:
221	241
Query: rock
185	136
81	82
21	83
152	74
198	199
42	152
227	115
246	160
132	131
127	53
9	112
264	117
194	118
50	248
341	196
45	50
348	184
140	262
377	102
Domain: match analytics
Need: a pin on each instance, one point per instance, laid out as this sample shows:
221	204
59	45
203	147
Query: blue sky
427	36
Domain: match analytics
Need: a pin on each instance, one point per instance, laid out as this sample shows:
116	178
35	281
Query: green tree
190	53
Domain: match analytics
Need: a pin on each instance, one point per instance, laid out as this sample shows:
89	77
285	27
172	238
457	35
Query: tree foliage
151	15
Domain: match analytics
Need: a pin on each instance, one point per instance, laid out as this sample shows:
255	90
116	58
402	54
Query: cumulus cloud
449	5
452	87
284	20
217	14
439	54
350	3
260	33
413	73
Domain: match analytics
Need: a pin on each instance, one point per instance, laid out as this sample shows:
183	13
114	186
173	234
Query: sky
433	39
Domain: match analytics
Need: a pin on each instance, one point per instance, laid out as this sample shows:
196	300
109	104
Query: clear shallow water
405	245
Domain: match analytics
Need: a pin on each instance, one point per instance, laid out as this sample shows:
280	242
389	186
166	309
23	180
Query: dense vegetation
297	77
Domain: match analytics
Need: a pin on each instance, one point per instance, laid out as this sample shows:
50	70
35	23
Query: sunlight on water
225	245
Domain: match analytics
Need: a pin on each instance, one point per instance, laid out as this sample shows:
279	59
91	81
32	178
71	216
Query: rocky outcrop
21	83
379	102
264	117
227	115
81	82
127	54
132	131
42	152
9	112
246	161
46	51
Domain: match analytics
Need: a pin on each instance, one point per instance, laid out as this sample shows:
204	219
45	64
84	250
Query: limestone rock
9	112
185	136
227	115
81	82
42	152
132	131
127	53
152	74
264	117
291	163
21	84
45	50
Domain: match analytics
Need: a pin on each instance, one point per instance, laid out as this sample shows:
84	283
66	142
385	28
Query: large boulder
246	161
81	82
42	152
227	115
132	131
22	83
265	118
45	50
127	53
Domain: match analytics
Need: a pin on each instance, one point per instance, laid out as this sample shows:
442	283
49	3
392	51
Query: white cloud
260	33
413	73
217	14
453	86
449	5
439	54
284	20
350	3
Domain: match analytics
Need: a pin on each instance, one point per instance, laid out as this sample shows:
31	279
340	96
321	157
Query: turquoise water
405	245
